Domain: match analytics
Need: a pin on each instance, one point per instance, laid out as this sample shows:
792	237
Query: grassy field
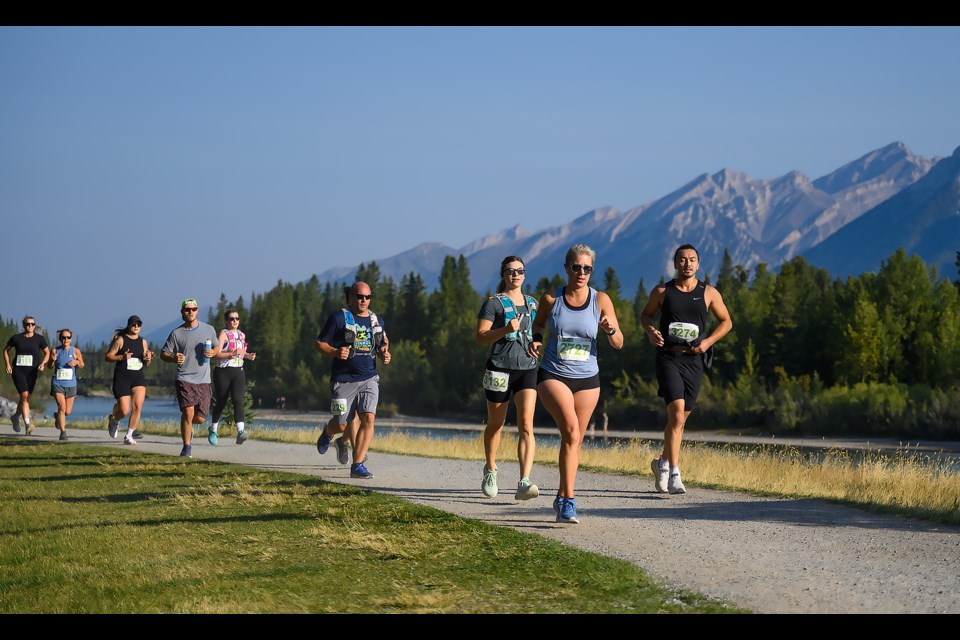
88	529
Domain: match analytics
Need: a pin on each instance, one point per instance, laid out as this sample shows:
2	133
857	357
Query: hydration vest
351	329
510	312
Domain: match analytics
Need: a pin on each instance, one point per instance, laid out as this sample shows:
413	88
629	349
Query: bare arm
648	315
719	310
330	351
78	357
608	321
544	307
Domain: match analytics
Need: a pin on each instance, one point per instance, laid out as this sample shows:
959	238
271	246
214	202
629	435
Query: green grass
88	529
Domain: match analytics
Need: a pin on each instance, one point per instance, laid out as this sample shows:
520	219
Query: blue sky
139	166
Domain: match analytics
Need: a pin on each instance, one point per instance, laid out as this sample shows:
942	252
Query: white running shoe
661	474
676	484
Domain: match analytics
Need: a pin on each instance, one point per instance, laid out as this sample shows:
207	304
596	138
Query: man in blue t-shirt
353	337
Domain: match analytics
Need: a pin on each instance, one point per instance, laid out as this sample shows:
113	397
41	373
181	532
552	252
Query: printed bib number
134	364
338	406
684	331
495	380
25	361
573	349
64	374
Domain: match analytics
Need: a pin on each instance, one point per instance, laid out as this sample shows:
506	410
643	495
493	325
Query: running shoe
129	440
556	504
212	436
137	435
661	474
343	455
526	490
676	484
241	437
63	435
323	442
187	451
568	511
112	425
15	419
360	471
30	428
489	484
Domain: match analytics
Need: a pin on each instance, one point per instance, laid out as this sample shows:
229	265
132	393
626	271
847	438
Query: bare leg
139	394
496	416
60	417
364	437
186	424
23	407
526	403
673	433
572	414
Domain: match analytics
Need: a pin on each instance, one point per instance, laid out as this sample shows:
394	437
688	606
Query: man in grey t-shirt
187	347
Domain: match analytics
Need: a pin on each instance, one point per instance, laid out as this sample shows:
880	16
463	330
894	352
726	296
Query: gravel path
769	555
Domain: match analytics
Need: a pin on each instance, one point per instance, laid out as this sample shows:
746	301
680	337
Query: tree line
877	353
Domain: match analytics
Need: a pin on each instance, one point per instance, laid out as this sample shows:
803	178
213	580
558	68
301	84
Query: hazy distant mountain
923	218
755	220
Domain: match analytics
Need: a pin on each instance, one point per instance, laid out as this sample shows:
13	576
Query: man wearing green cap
190	346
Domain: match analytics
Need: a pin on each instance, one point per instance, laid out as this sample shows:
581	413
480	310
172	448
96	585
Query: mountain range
846	222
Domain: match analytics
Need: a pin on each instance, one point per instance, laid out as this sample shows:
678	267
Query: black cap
134	319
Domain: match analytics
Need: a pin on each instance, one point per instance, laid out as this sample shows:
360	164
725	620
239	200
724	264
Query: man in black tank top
682	304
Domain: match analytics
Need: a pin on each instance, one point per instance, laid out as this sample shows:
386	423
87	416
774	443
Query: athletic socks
240	427
674	470
214	426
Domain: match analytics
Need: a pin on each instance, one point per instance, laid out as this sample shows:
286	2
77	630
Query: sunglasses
233	319
360	296
514	272
137	324
188	310
29	324
581	268
65	337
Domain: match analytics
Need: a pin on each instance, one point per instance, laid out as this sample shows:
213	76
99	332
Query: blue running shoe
556	504
112	425
241	437
360	471
323	442
187	451
568	511
212	437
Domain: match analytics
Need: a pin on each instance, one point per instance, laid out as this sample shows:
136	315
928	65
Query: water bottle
207	345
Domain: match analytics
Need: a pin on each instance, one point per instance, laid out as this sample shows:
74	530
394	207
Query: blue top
571	350
63	357
359	366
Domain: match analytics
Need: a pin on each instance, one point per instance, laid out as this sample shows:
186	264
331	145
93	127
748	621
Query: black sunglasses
578	268
360	296
236	319
65	337
137	324
511	272
29	324
188	309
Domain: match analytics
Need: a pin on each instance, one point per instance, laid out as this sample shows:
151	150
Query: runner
190	346
229	378
568	380
504	323
65	360
682	353
31	354
130	353
359	336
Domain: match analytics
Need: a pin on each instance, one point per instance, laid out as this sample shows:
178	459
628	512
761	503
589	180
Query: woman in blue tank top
568	381
64	361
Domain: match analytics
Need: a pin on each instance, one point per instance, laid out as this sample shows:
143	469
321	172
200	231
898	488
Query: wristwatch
612	331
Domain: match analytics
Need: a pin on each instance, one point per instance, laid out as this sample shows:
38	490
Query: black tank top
683	309
135	345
